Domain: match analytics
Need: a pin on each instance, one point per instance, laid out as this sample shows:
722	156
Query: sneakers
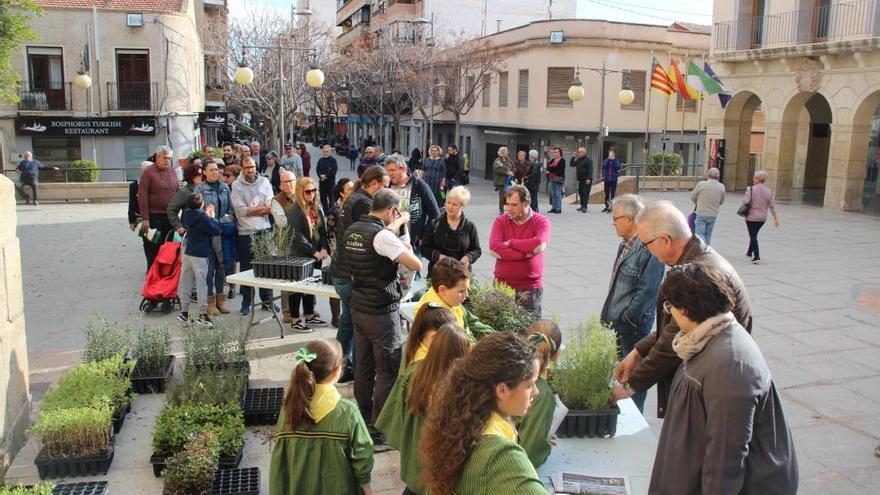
231	293
315	320
205	320
301	327
183	317
756	261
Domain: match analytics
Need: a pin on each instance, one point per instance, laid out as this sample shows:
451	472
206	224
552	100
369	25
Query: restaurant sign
87	126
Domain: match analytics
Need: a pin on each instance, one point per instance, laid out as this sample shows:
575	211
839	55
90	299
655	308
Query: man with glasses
636	275
251	199
367	161
156	186
374	252
663	229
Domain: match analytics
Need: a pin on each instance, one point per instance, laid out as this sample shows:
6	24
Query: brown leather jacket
659	361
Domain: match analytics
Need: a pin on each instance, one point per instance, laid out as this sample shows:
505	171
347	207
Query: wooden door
133	80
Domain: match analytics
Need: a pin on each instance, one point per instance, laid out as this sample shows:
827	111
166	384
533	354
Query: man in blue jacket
610	169
636	275
29	175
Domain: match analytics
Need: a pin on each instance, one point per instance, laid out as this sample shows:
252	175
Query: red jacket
518	264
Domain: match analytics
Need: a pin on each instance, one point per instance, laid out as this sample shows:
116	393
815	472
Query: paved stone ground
816	298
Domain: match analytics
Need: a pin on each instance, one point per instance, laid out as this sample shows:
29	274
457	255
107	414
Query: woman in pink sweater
518	241
760	199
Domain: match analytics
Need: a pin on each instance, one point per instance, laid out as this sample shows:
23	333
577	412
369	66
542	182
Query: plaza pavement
816	301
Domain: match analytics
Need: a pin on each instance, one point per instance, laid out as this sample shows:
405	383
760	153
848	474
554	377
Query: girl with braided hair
321	442
535	436
468	443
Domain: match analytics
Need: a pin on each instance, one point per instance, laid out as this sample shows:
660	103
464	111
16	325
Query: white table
630	453
311	286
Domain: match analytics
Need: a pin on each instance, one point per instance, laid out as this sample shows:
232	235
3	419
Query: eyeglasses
667	307
618	217
310	191
287	181
249	168
397	213
652	240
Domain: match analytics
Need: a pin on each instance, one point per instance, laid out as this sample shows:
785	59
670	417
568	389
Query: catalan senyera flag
660	81
684	89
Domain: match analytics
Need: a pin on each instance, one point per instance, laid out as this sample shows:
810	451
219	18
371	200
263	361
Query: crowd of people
469	406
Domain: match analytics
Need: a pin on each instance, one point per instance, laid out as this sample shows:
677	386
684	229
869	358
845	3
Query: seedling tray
119	418
261	406
225	462
290	268
82	488
152	381
236	482
590	424
74	466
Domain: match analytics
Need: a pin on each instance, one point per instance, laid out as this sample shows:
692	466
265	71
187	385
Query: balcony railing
132	95
846	20
46	96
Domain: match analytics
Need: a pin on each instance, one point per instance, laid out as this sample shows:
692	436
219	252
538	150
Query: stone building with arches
811	69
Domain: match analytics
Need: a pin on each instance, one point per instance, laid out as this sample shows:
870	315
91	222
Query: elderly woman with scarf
725	431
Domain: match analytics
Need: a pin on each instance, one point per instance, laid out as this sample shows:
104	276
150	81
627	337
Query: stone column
847	167
780	141
14	392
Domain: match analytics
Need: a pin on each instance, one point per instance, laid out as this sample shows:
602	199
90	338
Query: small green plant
209	348
19	489
495	305
176	423
151	349
207	388
275	242
585	370
282	240
191	471
83	171
92	384
665	164
105	339
73	432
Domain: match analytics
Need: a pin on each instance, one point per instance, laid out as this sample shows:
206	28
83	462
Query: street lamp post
576	93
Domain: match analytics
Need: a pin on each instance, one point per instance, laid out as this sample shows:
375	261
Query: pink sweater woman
761	200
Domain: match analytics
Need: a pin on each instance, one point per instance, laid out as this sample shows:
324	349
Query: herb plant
151	349
207	388
176	423
210	348
73	432
585	370
191	471
19	489
92	384
495	305
105	339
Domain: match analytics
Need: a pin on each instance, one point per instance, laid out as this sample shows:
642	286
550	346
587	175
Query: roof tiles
132	5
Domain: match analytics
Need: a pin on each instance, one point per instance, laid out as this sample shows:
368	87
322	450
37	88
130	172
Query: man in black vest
373	252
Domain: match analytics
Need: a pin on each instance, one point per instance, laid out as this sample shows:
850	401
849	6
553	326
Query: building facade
150	78
813	69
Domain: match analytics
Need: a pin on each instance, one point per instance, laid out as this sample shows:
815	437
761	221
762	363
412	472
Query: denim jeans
703	228
626	342
216	276
556	195
345	333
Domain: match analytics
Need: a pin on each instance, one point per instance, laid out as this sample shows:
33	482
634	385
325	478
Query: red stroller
160	286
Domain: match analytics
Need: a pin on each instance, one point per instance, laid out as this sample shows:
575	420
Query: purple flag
723	97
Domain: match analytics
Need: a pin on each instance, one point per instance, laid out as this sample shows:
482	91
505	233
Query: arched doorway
743	140
863	164
805	144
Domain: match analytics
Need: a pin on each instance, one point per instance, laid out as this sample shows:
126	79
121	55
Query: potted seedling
220	349
154	363
495	305
206	387
177	422
191	471
74	441
271	256
105	340
19	489
583	378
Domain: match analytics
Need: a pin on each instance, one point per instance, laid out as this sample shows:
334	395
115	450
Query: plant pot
82	488
236	482
92	465
152	381
119	418
579	423
224	462
261	406
326	276
303	268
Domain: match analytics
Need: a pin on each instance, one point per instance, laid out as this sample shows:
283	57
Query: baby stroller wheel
167	306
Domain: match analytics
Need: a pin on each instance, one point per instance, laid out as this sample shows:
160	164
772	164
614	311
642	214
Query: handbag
743	210
692	221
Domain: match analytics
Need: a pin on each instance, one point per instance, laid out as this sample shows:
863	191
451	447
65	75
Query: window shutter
487	95
523	92
559	79
636	81
689	105
502	89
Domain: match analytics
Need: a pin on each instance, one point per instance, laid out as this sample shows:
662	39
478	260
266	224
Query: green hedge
664	164
83	171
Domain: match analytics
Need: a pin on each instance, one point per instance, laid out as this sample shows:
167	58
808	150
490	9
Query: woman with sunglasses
308	238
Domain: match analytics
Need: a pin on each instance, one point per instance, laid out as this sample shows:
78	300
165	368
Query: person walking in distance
583	166
326	168
156	187
374	251
532	181
556	176
502	168
707	196
610	169
761	201
29	175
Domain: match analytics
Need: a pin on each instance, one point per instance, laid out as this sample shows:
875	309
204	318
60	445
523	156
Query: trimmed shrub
83	171
665	164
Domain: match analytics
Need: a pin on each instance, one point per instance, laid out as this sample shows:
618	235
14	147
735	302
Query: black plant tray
290	268
591	424
82	488
326	276
74	466
152	381
225	462
119	418
262	405
236	482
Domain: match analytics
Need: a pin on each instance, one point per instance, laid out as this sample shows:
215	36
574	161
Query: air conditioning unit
134	20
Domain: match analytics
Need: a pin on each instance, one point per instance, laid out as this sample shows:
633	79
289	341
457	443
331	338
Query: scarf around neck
687	345
324	401
497	425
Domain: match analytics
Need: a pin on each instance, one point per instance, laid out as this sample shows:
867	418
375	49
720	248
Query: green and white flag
697	78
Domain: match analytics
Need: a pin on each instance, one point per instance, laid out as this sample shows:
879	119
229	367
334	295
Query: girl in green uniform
404	413
429	318
469	442
321	444
534	428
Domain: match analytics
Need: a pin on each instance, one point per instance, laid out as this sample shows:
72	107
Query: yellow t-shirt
432	297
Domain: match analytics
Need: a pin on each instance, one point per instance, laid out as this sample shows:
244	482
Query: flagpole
683	99
700	141
666	113
648	118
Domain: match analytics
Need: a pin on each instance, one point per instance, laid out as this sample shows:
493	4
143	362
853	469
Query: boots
212	306
221	304
334	312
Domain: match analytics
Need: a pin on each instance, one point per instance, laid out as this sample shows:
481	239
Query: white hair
326	147
713	173
285	174
396	159
761	176
163	150
533	154
503	148
663	218
460	193
629	204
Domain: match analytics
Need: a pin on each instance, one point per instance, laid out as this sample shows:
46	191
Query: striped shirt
534	427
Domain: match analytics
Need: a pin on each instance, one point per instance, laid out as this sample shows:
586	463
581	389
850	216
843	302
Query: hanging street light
626	95
244	75
314	77
576	90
